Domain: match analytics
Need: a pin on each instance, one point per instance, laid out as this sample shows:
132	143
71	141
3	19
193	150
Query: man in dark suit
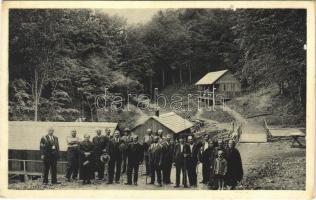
167	160
115	162
72	156
108	135
49	148
194	149
180	158
234	166
86	148
156	156
135	156
127	139
99	148
148	140
207	157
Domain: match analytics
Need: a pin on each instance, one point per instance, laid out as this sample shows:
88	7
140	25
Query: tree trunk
190	74
163	77
180	74
281	91
151	85
91	113
36	95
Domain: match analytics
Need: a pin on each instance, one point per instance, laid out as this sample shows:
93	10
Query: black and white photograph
157	99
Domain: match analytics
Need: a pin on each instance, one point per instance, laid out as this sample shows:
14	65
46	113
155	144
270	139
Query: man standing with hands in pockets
49	148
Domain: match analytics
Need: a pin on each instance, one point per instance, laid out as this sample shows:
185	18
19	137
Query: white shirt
191	147
51	138
181	147
205	145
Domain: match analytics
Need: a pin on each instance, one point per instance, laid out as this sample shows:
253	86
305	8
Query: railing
285	121
31	167
23	170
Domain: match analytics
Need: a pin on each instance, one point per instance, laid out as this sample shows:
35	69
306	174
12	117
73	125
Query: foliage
61	60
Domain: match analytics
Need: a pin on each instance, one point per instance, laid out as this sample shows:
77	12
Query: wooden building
170	123
25	136
222	83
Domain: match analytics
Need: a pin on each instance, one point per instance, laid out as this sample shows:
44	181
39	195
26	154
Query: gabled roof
173	122
26	135
211	77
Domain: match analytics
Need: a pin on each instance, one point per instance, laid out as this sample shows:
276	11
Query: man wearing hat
167	159
108	135
72	156
115	162
207	157
127	138
99	148
135	155
86	148
148	140
234	166
192	161
49	148
155	157
180	158
160	134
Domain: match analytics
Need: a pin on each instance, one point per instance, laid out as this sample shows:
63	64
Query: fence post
24	171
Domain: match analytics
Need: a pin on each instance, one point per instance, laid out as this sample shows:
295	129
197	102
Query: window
224	87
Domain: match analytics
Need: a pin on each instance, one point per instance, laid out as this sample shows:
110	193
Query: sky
133	16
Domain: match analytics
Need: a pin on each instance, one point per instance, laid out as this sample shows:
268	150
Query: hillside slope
266	102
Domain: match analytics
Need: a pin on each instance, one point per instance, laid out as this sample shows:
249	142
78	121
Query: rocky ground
277	166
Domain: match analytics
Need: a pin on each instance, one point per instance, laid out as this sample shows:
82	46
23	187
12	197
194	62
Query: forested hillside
60	60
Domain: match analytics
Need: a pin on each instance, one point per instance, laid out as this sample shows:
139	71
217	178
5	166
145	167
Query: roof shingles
173	122
211	77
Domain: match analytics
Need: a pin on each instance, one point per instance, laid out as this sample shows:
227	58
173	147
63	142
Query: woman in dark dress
234	166
86	159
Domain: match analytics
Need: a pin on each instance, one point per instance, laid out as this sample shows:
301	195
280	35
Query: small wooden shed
170	123
24	142
222	82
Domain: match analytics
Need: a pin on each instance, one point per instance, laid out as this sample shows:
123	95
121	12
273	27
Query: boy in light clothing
220	169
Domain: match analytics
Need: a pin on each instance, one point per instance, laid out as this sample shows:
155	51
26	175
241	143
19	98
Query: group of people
221	163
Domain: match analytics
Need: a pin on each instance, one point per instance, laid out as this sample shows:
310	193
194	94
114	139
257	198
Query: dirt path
256	153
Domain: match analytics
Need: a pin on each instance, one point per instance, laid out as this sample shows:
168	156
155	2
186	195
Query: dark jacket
207	156
86	147
48	147
168	152
135	153
156	154
114	149
234	165
193	155
179	157
99	144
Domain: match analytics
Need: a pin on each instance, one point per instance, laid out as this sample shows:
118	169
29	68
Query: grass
267	101
218	115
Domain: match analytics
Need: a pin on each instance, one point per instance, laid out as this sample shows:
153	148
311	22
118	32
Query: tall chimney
157	113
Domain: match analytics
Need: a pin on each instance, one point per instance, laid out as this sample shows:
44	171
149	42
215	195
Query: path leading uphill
252	132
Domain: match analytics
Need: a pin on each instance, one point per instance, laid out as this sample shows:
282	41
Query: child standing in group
220	169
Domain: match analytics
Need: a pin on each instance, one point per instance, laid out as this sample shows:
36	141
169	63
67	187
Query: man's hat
149	130
126	130
159	131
